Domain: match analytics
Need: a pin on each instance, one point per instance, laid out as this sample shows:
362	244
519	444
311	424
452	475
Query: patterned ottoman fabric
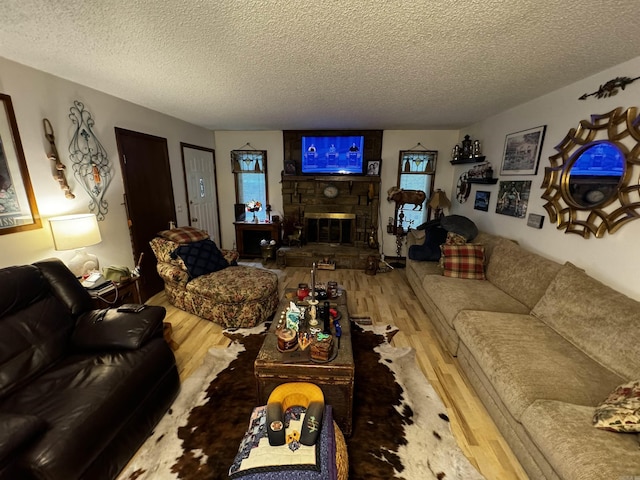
237	296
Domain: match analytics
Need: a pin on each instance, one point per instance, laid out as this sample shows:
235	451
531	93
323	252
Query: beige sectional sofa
542	344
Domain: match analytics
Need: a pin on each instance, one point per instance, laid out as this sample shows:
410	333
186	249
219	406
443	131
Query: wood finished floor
386	298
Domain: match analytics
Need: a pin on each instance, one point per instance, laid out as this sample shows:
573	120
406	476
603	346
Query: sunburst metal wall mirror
590	187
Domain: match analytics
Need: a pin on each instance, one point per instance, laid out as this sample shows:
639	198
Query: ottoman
238	296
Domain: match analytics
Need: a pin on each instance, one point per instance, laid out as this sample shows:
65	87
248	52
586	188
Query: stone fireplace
332	228
338	227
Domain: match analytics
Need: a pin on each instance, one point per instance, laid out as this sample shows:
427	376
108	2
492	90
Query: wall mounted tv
332	152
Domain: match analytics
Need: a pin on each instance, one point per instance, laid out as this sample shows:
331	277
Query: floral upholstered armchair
202	279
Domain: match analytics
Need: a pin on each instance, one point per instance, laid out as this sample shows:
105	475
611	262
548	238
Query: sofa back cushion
522	274
488	241
35	327
603	323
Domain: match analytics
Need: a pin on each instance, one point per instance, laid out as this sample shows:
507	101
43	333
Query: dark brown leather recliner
80	389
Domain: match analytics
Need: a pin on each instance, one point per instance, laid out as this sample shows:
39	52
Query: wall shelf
459	161
485	181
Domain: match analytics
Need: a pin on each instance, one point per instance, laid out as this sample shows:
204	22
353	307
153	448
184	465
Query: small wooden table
335	378
126	291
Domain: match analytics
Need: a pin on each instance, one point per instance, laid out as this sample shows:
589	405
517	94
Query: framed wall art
482	201
18	209
290	167
373	167
513	198
522	152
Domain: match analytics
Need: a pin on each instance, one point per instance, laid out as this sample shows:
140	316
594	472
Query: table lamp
439	202
77	232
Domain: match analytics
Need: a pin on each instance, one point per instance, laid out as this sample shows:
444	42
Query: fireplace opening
336	228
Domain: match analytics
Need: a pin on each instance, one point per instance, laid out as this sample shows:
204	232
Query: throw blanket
257	460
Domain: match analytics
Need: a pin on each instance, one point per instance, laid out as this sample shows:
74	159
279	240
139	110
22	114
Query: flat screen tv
334	154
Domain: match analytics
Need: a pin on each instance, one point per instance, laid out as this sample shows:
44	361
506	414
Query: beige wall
36	95
392	142
614	259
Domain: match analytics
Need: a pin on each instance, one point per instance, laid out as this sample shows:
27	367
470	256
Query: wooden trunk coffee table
335	378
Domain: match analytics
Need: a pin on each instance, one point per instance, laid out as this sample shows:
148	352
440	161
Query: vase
255	219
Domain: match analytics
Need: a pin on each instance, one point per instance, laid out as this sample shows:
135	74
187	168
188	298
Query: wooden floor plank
388	299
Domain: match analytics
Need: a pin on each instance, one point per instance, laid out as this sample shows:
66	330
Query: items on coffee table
287	340
322	347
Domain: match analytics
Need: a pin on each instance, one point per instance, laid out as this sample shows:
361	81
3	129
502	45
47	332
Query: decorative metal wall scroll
59	167
90	162
610	88
588	186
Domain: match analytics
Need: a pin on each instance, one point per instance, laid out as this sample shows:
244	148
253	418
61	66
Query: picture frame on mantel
290	167
18	208
522	152
373	168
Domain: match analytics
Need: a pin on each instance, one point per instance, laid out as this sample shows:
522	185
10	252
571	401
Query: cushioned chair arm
16	431
172	273
110	329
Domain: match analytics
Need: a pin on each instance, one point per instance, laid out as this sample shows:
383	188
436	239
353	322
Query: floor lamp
77	232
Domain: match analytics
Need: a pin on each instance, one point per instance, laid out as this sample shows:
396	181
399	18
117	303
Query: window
250	171
416	171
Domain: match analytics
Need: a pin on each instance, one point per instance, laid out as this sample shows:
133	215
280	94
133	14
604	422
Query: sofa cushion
452	295
526	360
597	319
185	234
16	430
620	411
463	261
577	451
201	257
86	396
522	274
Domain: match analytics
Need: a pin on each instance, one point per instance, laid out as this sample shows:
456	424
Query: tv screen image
332	154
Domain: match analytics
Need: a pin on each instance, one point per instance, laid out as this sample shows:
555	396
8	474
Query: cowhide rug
400	426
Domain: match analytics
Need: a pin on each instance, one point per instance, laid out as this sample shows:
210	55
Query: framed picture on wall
18	209
482	201
513	198
522	152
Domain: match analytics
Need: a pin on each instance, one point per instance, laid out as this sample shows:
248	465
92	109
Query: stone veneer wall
357	195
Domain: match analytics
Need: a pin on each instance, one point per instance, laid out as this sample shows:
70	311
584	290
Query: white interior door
200	175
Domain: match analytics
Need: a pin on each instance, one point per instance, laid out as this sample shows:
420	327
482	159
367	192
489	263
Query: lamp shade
75	231
439	200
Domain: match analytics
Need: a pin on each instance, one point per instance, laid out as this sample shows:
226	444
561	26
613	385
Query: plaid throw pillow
201	257
184	235
463	261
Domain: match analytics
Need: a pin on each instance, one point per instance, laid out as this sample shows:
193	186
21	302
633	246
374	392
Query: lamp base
83	263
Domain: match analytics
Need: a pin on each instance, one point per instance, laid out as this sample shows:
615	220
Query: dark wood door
144	160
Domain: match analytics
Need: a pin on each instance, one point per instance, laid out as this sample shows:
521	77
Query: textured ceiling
296	64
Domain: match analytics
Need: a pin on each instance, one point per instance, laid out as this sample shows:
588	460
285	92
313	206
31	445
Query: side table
126	291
